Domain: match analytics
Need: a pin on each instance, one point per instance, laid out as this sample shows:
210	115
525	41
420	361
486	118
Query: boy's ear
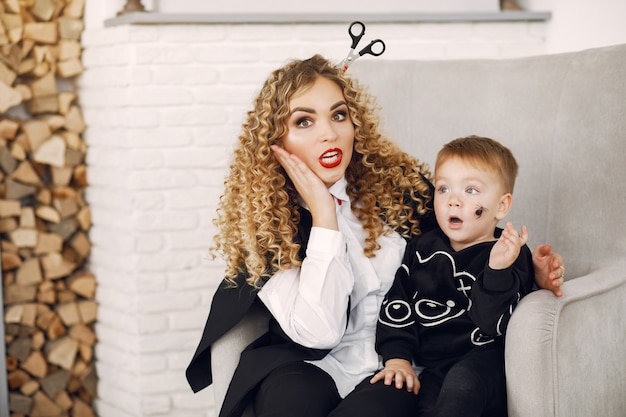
504	206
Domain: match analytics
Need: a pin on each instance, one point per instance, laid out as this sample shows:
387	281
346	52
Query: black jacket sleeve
497	292
396	332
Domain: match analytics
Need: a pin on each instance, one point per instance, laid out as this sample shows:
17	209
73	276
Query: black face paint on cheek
479	211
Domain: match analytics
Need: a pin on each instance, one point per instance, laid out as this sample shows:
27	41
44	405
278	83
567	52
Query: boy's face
469	202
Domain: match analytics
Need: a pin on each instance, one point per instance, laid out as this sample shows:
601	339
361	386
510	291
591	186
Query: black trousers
472	386
296	390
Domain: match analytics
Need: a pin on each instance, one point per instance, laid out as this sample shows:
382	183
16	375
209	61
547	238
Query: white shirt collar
338	189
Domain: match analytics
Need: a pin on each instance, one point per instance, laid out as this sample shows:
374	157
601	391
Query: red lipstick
331	158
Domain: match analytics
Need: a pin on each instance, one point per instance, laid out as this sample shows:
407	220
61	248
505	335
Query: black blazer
266	353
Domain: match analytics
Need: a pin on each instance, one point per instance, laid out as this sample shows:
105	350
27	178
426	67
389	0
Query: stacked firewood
49	296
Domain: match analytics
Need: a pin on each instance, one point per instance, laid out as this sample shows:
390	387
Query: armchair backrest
564	118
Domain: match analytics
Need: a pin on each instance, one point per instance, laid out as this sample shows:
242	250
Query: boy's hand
507	248
549	269
400	371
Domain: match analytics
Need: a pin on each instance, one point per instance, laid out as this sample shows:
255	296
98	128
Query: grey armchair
564	117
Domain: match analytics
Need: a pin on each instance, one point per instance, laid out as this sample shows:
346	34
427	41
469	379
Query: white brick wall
163	105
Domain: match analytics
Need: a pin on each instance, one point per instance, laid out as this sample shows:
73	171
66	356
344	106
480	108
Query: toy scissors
369	48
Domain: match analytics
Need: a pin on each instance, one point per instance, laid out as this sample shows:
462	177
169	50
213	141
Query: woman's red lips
331	158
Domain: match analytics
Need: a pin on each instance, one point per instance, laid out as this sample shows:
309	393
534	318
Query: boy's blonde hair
484	153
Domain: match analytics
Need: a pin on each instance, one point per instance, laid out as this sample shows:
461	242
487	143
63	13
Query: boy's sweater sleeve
496	293
396	332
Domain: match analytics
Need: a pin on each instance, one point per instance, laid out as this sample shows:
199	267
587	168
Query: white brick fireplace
163	103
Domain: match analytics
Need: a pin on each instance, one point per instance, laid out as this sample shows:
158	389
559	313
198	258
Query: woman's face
321	132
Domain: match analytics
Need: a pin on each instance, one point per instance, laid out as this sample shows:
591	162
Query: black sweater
444	303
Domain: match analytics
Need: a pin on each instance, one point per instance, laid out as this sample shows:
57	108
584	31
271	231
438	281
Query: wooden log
43	10
14	27
55	266
9	97
68	49
84	218
54	121
48	243
24	237
88	311
45	86
68	313
83	284
18	152
43	406
56	329
29	273
55	383
83	334
46	293
51	152
27	218
19	403
49	214
80	243
43	104
7	162
69	68
41	32
26	173
17	378
8	128
37	132
70	28
10	261
13	6
17	191
7	75
61	176
75	122
63	352
10	208
63	400
81	409
19	293
30	387
36	364
66	99
74	8
39	339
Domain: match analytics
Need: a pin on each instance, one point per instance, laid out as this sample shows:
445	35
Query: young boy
452	298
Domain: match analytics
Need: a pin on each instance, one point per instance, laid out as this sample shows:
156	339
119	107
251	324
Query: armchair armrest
225	352
566	356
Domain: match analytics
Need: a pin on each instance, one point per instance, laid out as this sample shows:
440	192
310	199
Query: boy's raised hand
401	372
507	248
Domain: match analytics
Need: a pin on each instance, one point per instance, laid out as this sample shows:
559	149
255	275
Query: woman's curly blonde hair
257	216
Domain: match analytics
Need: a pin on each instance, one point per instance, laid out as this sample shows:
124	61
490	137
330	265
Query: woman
312	224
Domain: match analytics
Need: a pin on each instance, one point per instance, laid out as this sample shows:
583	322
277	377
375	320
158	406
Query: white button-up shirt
310	302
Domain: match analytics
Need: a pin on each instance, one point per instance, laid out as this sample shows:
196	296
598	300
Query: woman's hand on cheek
310	187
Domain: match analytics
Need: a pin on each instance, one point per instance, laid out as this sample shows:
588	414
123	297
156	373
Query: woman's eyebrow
311	110
303	109
337	104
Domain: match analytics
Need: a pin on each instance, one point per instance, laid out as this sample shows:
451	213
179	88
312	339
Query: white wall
582	24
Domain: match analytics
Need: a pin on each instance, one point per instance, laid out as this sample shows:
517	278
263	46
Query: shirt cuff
328	241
